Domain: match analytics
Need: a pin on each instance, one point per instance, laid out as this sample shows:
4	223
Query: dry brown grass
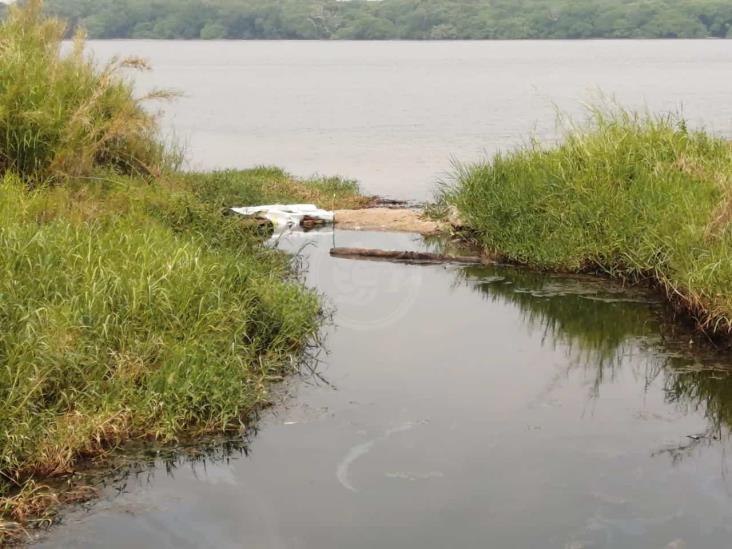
35	506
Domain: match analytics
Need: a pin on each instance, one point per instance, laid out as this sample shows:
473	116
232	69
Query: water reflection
602	324
597	321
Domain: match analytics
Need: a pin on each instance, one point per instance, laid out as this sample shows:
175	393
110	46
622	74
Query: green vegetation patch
268	185
634	196
130	307
123	316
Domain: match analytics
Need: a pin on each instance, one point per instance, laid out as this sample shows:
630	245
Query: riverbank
132	308
639	198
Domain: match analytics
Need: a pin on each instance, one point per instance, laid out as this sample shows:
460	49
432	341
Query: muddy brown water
458	407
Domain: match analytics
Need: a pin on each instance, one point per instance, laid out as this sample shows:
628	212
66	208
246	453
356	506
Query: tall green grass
61	115
131	311
635	196
130	307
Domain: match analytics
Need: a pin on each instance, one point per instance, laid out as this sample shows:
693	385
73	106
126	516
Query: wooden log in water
404	256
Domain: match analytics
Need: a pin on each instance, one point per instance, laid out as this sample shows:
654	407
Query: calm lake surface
453	407
393	114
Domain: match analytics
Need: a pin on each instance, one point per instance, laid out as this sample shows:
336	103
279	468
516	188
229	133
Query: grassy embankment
637	197
130	307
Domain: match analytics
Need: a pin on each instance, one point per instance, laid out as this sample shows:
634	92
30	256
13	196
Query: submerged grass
130	307
635	196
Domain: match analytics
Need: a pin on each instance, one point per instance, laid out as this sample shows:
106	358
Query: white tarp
285	216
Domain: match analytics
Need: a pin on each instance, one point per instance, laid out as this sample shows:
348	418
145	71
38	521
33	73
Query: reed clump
638	197
62	115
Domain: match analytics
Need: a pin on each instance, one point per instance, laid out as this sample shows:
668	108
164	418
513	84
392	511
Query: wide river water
395	114
453	407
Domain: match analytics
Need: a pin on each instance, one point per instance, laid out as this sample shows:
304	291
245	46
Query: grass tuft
634	196
61	115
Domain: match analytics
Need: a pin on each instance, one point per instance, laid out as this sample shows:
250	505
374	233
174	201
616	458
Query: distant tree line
397	19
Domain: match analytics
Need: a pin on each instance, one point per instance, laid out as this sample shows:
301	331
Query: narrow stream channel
464	407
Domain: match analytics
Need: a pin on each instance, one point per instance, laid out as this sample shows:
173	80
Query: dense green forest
397	19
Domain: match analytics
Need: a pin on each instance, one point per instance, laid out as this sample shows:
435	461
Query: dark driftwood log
409	257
